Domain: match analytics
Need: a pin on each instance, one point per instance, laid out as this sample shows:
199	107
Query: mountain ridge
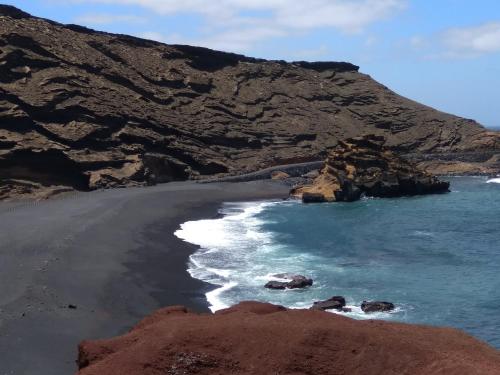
83	109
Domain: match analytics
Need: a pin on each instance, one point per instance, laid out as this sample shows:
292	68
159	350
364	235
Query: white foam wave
493	181
215	233
227	246
355	311
423	233
213	297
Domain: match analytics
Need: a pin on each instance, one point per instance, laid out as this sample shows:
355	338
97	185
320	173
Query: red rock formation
257	338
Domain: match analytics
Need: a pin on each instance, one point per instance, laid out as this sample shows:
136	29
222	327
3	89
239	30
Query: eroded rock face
254	338
113	110
363	165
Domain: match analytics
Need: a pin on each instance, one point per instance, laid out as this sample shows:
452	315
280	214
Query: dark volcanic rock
13	12
334	303
253	338
363	165
313	197
295	282
376	306
298	282
114	110
276	285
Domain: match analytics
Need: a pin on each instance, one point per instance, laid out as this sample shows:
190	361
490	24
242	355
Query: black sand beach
91	265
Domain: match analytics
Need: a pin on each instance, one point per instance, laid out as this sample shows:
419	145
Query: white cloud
238	25
459	42
473	41
241	40
238	41
106	19
347	15
417	42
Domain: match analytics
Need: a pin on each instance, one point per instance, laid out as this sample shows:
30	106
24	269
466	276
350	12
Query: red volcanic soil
257	338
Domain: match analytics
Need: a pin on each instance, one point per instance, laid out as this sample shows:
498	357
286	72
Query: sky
442	53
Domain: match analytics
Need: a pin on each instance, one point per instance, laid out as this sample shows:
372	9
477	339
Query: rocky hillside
81	109
257	338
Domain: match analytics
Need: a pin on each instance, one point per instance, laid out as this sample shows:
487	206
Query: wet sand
91	265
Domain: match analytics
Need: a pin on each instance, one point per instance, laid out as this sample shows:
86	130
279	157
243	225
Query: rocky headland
83	110
257	338
364	165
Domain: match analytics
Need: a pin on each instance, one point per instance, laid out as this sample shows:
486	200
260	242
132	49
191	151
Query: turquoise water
436	257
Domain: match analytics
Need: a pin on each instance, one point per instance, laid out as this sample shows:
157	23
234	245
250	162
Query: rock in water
334	303
295	282
363	165
276	285
376	306
298	282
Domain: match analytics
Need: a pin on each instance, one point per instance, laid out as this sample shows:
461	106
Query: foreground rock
83	110
376	306
363	165
295	282
257	338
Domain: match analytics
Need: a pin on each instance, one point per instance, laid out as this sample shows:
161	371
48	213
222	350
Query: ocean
436	257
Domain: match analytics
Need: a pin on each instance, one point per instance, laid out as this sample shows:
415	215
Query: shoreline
91	265
228	274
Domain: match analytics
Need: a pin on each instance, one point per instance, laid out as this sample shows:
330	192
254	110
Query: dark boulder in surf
293	282
376	306
333	303
276	285
299	281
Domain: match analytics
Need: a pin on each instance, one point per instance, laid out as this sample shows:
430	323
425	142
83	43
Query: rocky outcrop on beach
364	165
83	110
257	338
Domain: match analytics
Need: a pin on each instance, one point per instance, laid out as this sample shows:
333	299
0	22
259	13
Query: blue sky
443	53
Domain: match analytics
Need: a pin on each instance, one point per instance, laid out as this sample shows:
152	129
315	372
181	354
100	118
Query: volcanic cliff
257	338
81	109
